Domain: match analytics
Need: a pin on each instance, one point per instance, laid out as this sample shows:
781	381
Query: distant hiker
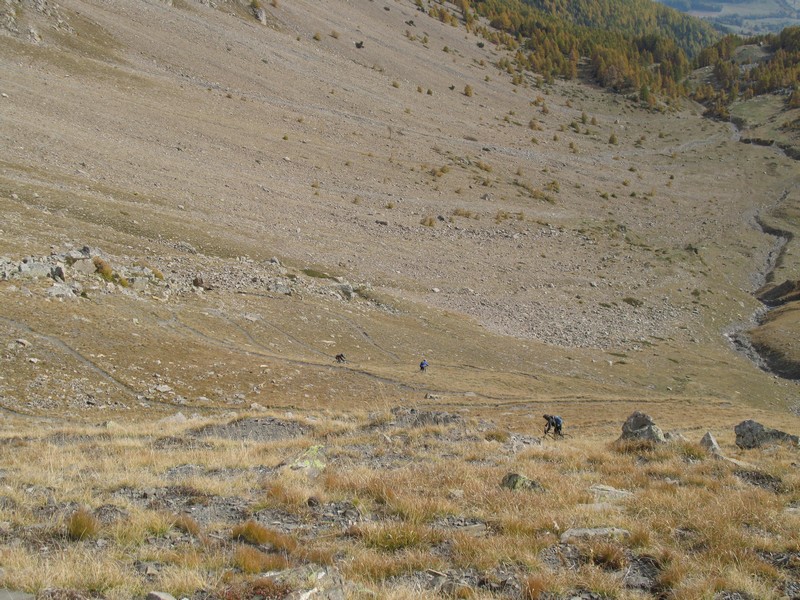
554	422
340	358
423	365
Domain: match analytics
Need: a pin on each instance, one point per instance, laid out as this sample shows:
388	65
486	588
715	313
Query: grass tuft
82	525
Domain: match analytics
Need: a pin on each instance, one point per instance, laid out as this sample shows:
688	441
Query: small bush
634	302
82	525
463	212
261	588
335	34
317	36
392	537
612	139
252	560
497	435
428	221
395	84
186	524
103	268
468	90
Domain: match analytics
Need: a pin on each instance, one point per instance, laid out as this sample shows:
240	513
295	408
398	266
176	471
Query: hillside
202	208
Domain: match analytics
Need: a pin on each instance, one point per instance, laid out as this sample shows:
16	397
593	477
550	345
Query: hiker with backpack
555	423
423	365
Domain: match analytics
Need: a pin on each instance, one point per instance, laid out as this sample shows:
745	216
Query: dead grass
698	521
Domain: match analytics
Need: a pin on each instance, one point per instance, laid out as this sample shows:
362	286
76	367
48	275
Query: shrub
252	560
103	268
634	302
395	84
468	90
317	36
186	524
612	139
428	221
256	534
335	34
261	588
497	435
82	525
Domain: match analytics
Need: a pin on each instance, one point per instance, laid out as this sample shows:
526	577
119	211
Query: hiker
423	365
554	422
340	358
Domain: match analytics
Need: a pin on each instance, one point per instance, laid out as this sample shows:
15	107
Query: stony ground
201	209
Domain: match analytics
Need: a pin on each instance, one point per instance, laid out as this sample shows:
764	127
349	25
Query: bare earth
529	265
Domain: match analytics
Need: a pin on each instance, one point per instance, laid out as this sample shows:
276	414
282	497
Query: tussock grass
82	525
704	526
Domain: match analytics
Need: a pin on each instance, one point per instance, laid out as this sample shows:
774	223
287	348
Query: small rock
515	481
177	418
606	492
160	596
594	532
710	444
23	342
163	388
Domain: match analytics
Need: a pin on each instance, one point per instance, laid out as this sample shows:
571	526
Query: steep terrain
201	209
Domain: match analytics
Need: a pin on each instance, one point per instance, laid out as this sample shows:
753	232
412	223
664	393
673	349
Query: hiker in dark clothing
423	365
555	423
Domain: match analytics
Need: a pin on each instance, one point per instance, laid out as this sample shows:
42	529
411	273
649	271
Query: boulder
84	265
751	434
640	426
710	444
515	481
60	290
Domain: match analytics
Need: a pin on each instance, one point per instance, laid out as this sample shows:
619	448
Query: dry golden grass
704	526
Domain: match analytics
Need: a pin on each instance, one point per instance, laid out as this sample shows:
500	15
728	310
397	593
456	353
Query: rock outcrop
751	434
640	426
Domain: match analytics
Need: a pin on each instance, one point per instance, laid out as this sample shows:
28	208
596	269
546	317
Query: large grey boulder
640	426
751	434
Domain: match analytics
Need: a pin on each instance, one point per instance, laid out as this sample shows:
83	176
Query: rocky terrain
203	204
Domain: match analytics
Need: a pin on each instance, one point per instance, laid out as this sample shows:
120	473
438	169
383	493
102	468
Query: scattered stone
580	533
762	480
710	444
411	417
642	574
84	266
608	493
311	461
640	426
23	342
515	481
261	429
160	596
175	419
751	434
163	388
